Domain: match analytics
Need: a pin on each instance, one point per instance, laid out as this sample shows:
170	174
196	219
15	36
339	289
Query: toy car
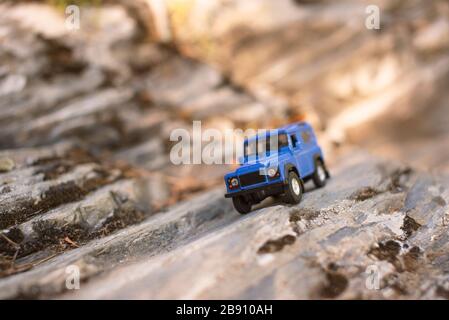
277	169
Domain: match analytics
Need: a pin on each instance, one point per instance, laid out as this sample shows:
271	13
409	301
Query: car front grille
251	178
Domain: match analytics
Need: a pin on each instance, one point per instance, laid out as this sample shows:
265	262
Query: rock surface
372	215
325	247
85	176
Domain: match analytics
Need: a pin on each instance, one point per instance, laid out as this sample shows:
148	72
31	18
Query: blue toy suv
277	163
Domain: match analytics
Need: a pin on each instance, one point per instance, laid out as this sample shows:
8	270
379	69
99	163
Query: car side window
282	141
294	140
305	135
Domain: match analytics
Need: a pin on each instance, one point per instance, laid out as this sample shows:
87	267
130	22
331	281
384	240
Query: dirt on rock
277	244
86	177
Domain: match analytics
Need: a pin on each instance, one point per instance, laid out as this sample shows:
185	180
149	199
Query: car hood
256	164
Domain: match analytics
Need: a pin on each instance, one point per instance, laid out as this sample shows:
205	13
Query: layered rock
85	176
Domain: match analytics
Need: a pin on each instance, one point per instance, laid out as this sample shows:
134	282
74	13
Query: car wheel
241	204
320	175
295	188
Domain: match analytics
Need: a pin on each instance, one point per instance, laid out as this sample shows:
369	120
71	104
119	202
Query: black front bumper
266	190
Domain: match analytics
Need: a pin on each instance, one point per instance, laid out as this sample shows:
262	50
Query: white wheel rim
296	187
321	173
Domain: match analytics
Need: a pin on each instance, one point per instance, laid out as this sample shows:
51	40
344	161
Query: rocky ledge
376	230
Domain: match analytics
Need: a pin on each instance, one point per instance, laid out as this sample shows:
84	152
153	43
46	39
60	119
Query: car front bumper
265	190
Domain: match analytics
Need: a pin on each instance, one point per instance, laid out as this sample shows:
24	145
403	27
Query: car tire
320	175
241	205
295	189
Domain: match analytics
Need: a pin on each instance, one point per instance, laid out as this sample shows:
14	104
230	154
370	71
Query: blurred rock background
137	69
385	90
87	112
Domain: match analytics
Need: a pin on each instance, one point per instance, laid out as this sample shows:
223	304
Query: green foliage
64	3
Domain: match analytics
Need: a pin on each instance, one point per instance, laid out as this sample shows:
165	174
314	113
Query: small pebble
6	164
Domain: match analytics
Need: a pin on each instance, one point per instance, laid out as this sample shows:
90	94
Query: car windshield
265	145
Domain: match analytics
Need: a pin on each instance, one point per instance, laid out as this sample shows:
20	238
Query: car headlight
272	172
234	182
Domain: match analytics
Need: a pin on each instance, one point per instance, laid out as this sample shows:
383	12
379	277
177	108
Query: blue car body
297	151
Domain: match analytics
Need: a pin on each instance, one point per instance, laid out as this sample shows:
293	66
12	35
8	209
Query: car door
299	153
308	150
